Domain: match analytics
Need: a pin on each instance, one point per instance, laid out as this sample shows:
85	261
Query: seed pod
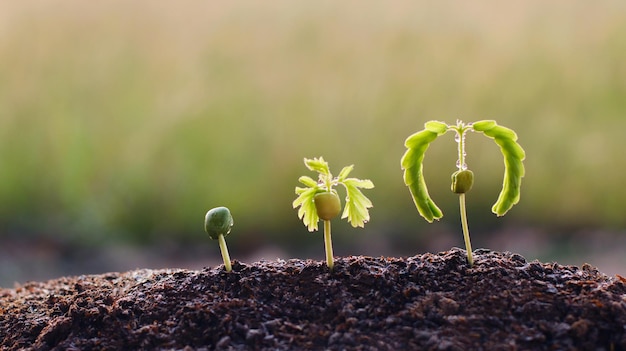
327	205
218	221
462	181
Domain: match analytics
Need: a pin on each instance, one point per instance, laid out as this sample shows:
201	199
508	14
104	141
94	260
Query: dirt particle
223	342
580	327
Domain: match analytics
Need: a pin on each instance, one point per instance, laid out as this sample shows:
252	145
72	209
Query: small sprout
217	223
463	178
318	200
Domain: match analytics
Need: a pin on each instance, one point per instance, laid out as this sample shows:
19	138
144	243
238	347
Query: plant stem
224	250
328	244
461	129
468	244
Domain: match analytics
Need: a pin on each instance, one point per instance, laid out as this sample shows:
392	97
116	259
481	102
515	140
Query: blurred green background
122	123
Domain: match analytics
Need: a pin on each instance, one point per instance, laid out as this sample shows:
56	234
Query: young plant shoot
217	223
318	200
463	178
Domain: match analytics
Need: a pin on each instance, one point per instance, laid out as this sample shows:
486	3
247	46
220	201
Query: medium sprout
319	200
217	223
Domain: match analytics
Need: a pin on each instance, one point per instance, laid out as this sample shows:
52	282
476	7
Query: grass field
128	121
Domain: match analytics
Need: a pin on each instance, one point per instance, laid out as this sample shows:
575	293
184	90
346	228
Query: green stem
468	244
462	150
224	250
461	129
328	244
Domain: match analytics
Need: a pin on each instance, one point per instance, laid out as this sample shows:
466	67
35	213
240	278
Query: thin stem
328	244
462	150
461	129
224	250
466	236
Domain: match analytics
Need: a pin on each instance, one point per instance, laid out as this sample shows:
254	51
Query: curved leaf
513	166
481	126
411	163
436	127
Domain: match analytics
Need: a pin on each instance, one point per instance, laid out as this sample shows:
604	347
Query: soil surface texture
425	302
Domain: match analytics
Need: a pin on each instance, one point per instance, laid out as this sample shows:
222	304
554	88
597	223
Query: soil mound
430	301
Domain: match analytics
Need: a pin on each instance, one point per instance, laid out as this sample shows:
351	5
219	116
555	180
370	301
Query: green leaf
308	181
514	170
481	126
318	165
436	127
359	183
411	163
421	138
344	173
307	212
502	133
357	204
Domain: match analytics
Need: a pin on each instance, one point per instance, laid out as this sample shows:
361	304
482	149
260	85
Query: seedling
217	223
463	178
319	200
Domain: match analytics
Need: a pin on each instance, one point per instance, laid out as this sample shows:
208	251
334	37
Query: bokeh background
122	123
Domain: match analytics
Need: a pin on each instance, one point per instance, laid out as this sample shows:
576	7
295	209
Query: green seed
327	205
462	181
218	221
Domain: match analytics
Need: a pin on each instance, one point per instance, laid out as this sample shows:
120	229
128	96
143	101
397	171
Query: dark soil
430	301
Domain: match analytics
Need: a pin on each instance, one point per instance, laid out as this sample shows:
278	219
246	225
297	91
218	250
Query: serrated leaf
345	172
357	204
308	181
317	165
359	183
307	212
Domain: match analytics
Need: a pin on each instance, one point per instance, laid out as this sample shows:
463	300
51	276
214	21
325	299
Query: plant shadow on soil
429	301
